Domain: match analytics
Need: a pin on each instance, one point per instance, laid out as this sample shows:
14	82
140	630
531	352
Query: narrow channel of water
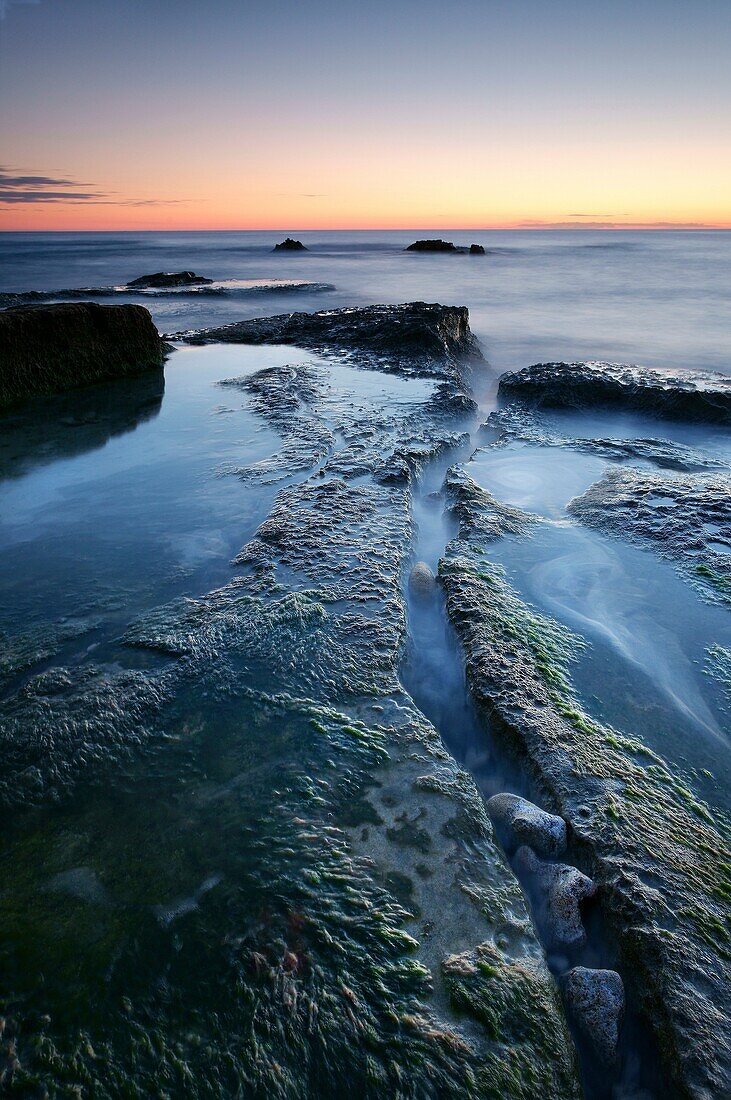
433	673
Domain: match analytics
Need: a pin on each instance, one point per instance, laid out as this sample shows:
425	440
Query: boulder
289	245
595	1000
557	891
687	395
49	348
162	279
422	581
477	250
518	822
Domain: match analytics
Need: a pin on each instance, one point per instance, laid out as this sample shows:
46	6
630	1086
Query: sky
328	114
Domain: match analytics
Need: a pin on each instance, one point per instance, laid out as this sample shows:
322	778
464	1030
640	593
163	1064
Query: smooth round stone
422	581
518	821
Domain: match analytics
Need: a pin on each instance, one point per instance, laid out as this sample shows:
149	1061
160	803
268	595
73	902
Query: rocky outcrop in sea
48	348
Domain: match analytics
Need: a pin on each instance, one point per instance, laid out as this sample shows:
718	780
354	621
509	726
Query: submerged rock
518	822
161	280
558	891
686	519
417	334
289	245
702	396
595	999
422	581
48	348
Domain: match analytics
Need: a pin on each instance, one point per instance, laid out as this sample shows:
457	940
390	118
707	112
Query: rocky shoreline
374	924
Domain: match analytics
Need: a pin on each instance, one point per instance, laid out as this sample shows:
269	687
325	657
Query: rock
687	395
518	821
422	581
639	822
162	279
415	331
477	250
48	348
684	518
557	891
595	1000
432	246
289	245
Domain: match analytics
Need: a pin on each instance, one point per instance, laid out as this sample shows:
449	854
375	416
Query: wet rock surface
536	425
689	396
657	855
518	822
426	338
686	519
162	280
421	580
49	348
324	909
596	1002
558	892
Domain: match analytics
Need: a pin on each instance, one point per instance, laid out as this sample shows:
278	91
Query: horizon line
664	227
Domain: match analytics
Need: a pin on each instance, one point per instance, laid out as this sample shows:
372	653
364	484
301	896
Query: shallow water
119	499
646	668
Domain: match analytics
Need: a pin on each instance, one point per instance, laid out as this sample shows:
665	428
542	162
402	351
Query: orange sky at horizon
225	116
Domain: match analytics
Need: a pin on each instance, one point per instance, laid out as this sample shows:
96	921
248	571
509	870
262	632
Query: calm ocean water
657	298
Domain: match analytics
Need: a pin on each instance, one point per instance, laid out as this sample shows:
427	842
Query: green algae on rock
659	857
267	902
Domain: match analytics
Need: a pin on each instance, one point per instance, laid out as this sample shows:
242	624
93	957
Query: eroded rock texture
658	856
691	396
425	337
686	519
299	893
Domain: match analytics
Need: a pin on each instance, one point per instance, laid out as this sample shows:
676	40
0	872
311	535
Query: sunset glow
185	116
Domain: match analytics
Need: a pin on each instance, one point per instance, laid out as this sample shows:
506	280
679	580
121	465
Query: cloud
17	190
614	225
5	5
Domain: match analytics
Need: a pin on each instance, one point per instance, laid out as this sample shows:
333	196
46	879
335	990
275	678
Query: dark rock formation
518	821
432	246
48	348
163	279
415	332
595	999
477	250
690	396
558	891
290	245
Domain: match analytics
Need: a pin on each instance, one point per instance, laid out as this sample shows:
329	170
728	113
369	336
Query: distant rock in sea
290	245
431	246
162	279
445	246
49	348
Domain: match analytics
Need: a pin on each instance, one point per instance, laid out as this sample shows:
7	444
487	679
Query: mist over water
659	298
